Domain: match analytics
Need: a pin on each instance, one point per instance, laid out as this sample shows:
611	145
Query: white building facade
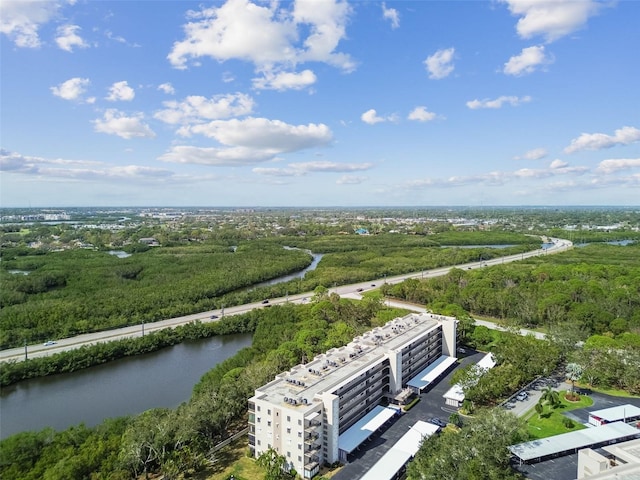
303	412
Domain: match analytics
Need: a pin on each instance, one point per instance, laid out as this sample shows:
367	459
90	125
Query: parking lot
431	405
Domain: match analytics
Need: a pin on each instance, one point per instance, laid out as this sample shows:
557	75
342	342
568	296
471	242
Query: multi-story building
303	412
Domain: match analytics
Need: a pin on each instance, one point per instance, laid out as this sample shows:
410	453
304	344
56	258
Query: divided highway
352	291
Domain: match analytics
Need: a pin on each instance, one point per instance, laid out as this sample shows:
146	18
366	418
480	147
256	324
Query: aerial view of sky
319	103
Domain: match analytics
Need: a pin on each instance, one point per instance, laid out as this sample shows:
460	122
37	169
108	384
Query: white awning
432	372
364	428
402	451
573	441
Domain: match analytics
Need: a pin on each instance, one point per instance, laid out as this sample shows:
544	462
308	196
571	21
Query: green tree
550	397
573	372
273	463
478	451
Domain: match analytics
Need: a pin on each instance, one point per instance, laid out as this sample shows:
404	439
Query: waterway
127	386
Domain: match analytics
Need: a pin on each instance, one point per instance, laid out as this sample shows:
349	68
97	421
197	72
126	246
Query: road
352	291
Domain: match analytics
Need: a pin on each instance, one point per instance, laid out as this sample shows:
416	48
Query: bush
409	406
567	422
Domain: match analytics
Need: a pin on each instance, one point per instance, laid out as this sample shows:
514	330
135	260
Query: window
300	434
258	407
299	458
288	430
299	446
289	454
268	423
288	418
259	442
258	419
268	411
299	422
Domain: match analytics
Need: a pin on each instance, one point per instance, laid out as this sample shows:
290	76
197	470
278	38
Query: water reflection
124	387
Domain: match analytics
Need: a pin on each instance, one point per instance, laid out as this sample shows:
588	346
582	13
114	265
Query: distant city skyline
319	103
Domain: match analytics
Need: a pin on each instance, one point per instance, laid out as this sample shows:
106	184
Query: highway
351	291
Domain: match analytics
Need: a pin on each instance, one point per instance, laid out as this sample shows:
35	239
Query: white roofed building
320	412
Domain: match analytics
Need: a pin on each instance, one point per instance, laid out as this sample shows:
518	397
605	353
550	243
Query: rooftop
557	444
327	371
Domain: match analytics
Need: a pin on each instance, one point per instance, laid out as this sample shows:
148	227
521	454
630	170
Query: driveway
431	404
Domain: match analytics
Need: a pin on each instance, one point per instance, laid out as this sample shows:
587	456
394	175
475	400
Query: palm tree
550	397
539	408
574	372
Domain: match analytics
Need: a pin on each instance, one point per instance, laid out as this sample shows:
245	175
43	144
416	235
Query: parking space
561	468
431	405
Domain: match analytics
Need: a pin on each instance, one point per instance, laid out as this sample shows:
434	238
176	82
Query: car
265	301
437	421
359	290
461	350
213	317
49	343
522	396
373	284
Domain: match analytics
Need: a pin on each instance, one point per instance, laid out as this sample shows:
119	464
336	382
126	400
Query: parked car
49	343
213	316
265	301
437	421
522	396
359	290
373	284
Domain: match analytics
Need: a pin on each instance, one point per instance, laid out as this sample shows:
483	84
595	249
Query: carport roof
432	372
572	441
364	428
614	414
402	451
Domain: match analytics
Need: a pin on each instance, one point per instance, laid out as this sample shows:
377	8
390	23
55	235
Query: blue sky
319	103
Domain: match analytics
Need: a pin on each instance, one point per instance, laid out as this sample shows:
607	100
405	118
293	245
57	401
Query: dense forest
78	291
596	287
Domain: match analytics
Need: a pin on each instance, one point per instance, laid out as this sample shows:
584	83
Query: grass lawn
550	423
232	459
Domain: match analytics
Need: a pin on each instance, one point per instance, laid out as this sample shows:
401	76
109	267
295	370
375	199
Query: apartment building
305	414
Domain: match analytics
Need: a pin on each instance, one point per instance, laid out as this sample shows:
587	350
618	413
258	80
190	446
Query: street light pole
25	350
143	328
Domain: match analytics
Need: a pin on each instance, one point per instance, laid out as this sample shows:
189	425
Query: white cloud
613	165
121	91
421	114
535	154
72	89
217	157
527	62
300	169
285	80
440	64
497	178
267	35
117	123
598	141
552	19
167	88
67	38
248	141
498	102
371	117
351	180
557	163
20	20
392	15
196	108
79	169
262	133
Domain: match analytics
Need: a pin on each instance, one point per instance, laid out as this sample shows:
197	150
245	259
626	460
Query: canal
123	387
